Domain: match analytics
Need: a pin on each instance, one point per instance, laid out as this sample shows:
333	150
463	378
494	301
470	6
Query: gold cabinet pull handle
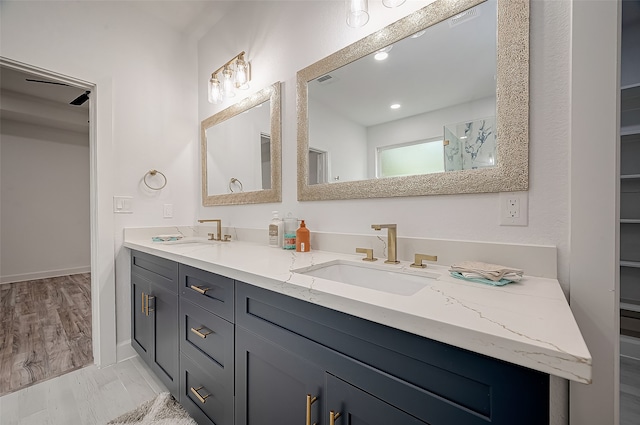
200	289
149	309
203	399
142	302
310	401
333	416
200	334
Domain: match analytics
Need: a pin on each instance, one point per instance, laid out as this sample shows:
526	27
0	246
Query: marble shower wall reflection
470	145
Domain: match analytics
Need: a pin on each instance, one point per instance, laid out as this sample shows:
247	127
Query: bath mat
162	410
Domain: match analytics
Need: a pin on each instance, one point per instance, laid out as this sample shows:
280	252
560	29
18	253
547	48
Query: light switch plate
514	209
167	211
123	204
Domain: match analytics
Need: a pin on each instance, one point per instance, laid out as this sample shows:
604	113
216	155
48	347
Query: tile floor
88	396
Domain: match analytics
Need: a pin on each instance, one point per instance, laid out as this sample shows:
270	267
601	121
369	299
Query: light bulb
227	82
357	13
392	3
241	74
214	94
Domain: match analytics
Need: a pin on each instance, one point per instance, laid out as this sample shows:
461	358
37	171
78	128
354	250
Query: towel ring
153	173
237	182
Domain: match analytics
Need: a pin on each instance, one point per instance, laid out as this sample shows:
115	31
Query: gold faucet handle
212	236
422	257
369	253
227	238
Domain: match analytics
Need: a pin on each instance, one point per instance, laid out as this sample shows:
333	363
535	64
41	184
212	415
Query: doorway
102	238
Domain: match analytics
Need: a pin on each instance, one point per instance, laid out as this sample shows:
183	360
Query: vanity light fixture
235	74
357	13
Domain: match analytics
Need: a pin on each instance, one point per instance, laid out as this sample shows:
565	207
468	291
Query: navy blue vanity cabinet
207	343
370	373
154	319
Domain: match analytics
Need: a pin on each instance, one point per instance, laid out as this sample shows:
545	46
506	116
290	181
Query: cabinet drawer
207	339
208	400
155	269
208	290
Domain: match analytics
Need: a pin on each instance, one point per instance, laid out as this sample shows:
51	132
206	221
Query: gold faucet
218	236
369	253
419	258
392	244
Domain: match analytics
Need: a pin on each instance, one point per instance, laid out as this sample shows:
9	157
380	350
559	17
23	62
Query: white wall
344	140
424	126
146	116
44	197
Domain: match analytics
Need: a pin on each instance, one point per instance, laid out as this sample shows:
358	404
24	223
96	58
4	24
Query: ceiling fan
76	102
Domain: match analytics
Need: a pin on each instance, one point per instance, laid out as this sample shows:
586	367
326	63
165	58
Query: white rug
162	410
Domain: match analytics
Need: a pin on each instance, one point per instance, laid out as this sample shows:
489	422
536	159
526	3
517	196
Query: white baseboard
125	351
630	347
43	275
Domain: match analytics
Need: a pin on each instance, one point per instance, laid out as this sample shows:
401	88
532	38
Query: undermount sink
380	277
189	240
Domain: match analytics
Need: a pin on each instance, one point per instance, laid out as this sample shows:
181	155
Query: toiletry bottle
275	231
290	226
302	238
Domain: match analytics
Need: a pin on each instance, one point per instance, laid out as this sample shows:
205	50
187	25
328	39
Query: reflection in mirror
405	93
434	103
241	151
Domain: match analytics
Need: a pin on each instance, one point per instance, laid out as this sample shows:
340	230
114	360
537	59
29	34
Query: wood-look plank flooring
45	329
629	391
88	396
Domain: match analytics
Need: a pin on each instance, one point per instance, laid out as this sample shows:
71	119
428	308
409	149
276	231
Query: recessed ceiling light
395	106
383	53
380	56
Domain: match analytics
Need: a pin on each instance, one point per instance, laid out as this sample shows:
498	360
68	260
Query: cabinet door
140	324
163	306
272	384
356	407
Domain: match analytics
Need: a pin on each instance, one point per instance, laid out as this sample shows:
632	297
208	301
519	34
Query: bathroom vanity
252	342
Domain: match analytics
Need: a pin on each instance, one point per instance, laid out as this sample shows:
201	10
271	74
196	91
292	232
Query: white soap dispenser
276	235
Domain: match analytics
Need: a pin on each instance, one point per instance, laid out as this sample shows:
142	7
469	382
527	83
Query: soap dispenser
275	231
302	238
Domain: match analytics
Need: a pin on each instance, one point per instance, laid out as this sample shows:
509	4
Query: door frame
103	293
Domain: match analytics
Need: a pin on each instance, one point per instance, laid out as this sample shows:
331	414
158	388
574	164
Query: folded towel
500	282
165	238
494	272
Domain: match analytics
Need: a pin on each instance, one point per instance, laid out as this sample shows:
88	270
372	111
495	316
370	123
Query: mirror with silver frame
241	151
435	103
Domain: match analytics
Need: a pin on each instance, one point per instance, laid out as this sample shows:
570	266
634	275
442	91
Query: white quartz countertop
528	323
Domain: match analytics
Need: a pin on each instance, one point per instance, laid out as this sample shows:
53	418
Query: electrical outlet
168	211
514	208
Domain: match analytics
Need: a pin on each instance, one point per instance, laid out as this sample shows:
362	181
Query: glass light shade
357	13
241	74
214	93
392	3
227	83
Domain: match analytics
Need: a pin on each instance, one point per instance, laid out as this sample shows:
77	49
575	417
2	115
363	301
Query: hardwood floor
45	329
629	391
88	396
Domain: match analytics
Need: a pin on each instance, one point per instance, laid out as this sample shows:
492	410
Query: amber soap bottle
302	238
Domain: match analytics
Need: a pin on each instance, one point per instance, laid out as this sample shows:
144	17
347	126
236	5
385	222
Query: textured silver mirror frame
274	194
512	106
